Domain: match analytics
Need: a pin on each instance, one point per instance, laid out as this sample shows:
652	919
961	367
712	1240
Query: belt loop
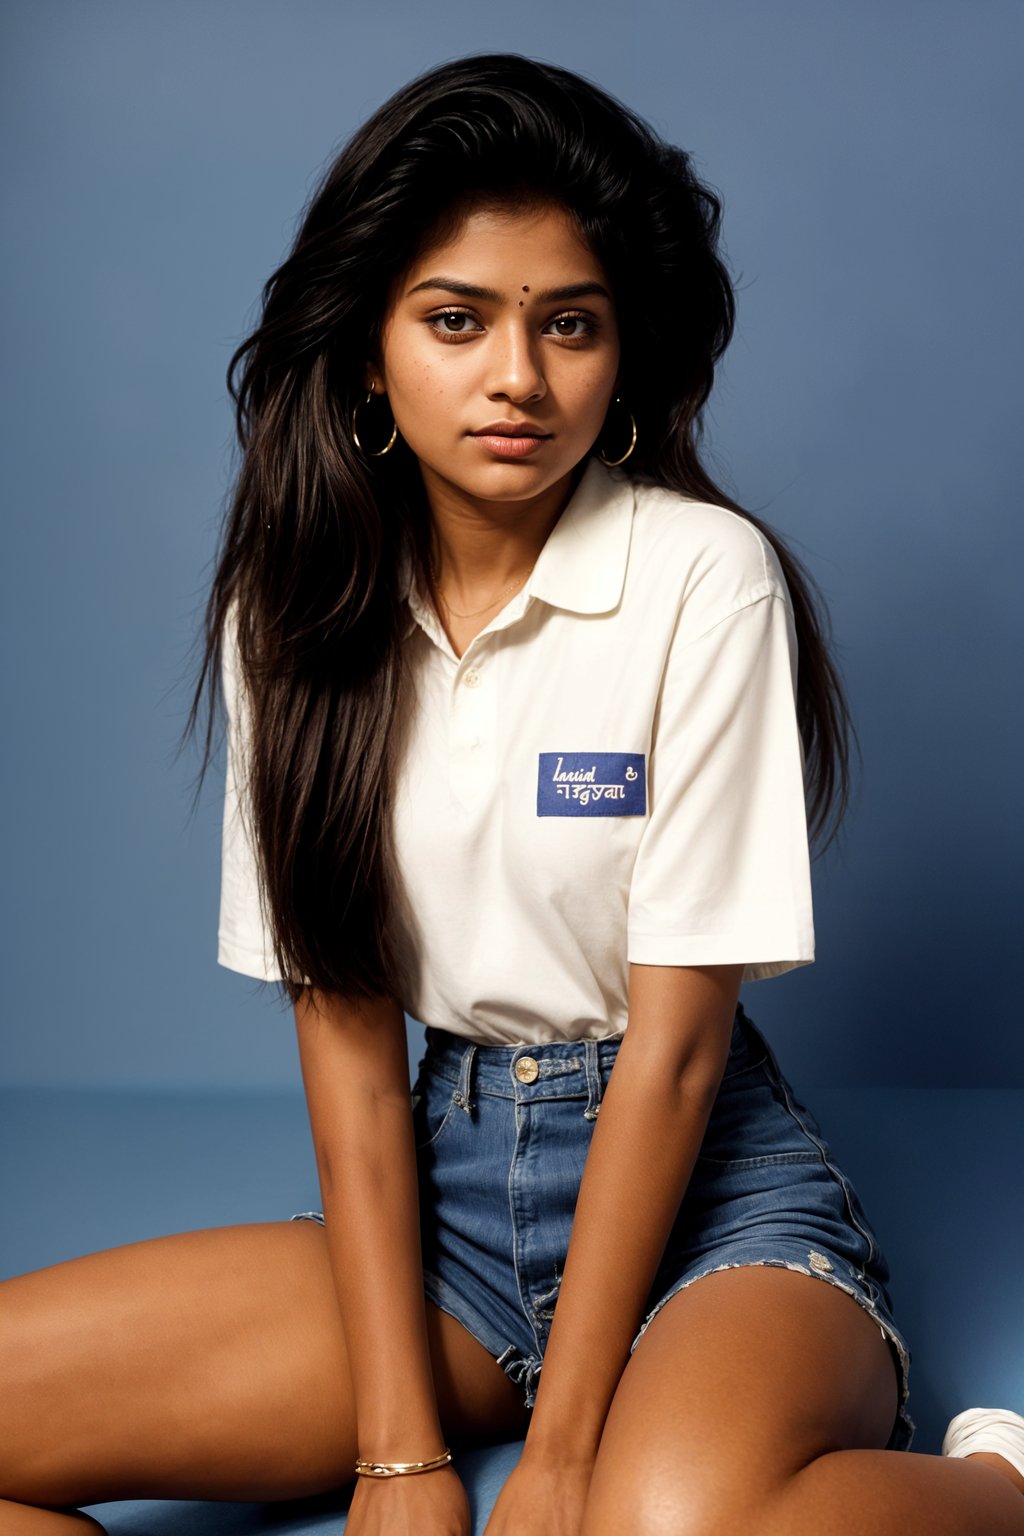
465	1071
593	1079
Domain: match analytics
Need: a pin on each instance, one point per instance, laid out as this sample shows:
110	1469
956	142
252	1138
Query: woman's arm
653	1116
355	1068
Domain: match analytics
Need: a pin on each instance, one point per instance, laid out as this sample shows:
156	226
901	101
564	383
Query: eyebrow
549	296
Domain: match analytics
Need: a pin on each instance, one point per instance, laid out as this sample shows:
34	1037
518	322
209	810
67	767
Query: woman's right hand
412	1504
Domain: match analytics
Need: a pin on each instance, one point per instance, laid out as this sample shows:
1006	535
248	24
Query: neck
479	547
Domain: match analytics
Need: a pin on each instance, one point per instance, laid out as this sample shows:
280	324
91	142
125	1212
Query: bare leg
1001	1465
28	1520
861	1493
206	1364
757	1401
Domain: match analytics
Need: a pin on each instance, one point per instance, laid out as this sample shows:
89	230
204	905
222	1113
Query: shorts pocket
748	1048
750	1059
763	1160
750	1126
434	1101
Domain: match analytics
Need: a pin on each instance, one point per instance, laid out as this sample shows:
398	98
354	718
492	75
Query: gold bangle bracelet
401	1468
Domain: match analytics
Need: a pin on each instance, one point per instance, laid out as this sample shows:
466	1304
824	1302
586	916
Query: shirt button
527	1070
475	742
471	677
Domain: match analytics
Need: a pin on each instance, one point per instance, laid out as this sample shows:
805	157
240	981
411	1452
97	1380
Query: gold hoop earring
380	452
613	463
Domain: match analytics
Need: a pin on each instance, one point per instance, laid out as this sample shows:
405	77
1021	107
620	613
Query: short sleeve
722	872
243	940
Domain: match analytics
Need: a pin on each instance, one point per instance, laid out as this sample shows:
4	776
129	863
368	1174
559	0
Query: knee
671	1499
29	1439
15	1368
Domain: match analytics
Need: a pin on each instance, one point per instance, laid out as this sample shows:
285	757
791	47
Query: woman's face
499	355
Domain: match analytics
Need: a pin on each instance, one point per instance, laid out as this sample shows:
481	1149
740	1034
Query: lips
511	429
511	439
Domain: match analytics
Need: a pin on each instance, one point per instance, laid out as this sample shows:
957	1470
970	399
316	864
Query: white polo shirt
611	773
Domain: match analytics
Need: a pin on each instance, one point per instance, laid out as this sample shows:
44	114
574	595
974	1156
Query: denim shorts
501	1139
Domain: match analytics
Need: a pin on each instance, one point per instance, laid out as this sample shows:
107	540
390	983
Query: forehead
532	243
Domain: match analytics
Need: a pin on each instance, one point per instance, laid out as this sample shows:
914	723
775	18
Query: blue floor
938	1171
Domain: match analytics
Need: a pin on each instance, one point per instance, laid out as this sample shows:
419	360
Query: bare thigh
742	1379
206	1364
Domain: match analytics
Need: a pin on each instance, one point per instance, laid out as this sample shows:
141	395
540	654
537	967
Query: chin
517	480
505	482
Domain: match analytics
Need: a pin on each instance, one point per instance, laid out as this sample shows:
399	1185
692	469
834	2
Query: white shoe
986	1429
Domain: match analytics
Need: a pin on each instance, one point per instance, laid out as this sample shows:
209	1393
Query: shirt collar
582	565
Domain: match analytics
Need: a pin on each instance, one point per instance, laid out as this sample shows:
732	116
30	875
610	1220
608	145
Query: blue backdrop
158	158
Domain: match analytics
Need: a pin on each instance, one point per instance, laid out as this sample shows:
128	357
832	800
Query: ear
373	380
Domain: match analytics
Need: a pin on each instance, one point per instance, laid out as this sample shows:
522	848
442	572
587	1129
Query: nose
515	370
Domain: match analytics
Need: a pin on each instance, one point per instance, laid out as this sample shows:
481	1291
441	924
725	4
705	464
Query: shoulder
703	558
698	536
235	692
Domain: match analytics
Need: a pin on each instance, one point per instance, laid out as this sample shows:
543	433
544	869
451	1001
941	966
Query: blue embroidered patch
591	784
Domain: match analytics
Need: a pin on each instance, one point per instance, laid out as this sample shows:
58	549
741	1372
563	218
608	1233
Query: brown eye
449	324
573	327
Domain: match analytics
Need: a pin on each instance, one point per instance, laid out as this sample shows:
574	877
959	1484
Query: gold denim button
527	1069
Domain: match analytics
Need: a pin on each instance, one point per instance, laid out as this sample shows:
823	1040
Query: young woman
518	742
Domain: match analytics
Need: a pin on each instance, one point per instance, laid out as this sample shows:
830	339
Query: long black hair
305	587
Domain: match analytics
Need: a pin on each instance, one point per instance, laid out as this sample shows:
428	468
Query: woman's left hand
542	1496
